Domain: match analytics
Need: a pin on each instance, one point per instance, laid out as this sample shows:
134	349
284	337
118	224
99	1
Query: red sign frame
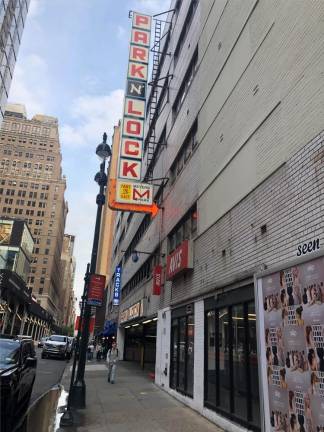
179	260
96	288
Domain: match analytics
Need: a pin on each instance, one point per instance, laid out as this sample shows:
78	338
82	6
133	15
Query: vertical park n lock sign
126	191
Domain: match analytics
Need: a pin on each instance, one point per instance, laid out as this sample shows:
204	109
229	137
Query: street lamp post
79	388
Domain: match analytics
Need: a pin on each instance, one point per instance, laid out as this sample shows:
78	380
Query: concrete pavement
133	404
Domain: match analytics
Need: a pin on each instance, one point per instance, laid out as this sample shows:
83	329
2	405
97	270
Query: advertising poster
291	328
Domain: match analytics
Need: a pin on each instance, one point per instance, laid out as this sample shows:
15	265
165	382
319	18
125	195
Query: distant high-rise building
12	21
68	271
32	188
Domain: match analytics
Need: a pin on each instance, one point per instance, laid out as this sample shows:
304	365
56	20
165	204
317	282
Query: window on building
185	29
47	251
186	83
184	153
186	229
182	350
231	367
45	260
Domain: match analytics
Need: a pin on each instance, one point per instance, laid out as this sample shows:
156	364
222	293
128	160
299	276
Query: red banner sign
97	285
179	260
157	280
91	324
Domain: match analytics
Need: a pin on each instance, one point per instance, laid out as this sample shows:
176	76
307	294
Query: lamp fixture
103	150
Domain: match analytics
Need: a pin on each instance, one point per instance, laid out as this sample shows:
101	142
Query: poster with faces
291	325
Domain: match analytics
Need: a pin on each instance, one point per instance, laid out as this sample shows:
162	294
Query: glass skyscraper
12	20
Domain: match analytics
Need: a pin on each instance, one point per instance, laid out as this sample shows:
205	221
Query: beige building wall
108	218
68	271
32	188
107	232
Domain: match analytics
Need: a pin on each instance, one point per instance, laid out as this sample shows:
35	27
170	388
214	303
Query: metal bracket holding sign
290	324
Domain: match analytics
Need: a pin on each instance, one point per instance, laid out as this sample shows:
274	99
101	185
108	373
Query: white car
56	346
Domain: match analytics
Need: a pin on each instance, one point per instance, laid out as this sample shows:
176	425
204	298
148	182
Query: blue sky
72	65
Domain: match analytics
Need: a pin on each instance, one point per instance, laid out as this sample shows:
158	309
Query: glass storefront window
223	360
210	395
231	368
182	354
239	360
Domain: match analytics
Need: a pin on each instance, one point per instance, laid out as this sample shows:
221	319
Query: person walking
98	351
90	351
112	359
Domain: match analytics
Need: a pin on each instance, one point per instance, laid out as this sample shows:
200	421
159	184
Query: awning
110	328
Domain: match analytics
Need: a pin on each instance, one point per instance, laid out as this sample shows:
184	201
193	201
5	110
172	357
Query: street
49	373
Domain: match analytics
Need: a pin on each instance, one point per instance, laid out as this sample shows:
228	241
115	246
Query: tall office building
12	20
32	188
68	271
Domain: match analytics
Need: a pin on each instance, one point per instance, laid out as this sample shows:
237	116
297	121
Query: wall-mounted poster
291	329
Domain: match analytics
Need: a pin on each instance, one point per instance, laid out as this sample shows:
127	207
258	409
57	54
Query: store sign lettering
133	193
117	286
176	261
131	146
179	260
132	312
157	280
305	248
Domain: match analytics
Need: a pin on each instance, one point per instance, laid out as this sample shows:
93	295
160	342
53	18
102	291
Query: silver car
56	346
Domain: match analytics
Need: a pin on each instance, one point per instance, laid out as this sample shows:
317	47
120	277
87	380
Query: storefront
139	336
140	343
231	366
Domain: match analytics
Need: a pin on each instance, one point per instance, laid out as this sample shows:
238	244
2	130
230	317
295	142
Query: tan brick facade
32	188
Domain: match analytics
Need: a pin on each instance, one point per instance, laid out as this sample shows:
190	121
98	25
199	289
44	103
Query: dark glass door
231	367
174	354
182	354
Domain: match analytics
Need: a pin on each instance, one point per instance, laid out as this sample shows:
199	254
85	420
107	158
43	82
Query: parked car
56	346
42	341
18	363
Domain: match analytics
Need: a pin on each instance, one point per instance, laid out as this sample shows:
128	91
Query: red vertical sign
96	289
157	280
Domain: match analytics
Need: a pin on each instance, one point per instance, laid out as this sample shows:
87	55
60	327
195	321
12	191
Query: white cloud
30	84
122	33
151	6
35	8
92	116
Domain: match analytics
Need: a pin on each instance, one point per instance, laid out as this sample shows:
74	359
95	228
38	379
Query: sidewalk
133	404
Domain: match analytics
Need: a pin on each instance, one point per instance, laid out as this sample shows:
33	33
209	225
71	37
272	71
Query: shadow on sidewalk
133	404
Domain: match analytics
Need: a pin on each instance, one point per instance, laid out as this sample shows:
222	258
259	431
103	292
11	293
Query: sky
72	65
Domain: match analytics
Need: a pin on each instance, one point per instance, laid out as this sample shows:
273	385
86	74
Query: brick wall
290	202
